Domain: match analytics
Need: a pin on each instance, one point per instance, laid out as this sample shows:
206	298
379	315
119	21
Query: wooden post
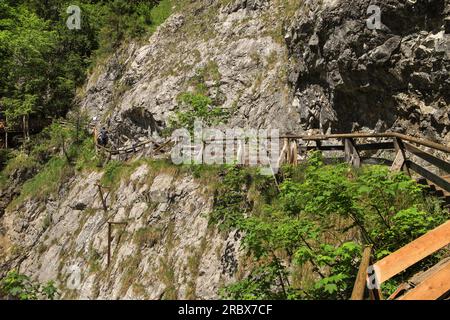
95	139
284	153
288	151
109	243
360	283
318	144
400	157
294	153
100	191
351	153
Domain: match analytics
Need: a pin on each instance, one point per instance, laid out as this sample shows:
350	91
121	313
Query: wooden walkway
406	150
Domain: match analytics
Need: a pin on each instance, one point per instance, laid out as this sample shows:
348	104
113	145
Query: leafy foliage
16	286
42	62
317	225
197	107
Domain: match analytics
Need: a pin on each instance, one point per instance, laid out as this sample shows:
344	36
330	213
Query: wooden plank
360	283
359	147
437	180
441	164
399	161
326	148
351	153
413	252
108	261
433	287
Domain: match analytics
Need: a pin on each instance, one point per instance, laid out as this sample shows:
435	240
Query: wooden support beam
399	161
318	144
437	180
100	192
361	279
431	288
288	151
294	153
108	262
400	157
284	153
413	252
441	164
351	153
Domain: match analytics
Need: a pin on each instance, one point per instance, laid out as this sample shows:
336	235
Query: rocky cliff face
166	249
235	50
293	65
349	76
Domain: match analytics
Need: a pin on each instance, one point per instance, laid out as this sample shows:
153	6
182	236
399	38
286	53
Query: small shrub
16	286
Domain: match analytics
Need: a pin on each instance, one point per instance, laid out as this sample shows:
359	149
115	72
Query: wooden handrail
437	180
444	165
413	252
422	142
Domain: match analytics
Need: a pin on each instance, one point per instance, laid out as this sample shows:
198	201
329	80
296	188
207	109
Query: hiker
103	137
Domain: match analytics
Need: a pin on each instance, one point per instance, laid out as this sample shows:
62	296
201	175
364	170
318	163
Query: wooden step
432	284
436	190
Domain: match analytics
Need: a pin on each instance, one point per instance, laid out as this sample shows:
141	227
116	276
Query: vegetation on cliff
305	241
43	62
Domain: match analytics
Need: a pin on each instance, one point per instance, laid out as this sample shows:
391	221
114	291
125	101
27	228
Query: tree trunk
24	128
27	123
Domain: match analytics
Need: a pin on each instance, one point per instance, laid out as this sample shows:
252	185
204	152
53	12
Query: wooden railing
432	285
403	145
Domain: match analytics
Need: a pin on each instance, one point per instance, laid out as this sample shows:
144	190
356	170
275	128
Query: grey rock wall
320	69
349	77
167	250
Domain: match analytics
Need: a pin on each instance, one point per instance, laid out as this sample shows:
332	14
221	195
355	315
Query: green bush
20	161
197	107
17	286
319	221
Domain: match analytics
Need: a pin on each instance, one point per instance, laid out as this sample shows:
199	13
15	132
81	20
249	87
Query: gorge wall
293	65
